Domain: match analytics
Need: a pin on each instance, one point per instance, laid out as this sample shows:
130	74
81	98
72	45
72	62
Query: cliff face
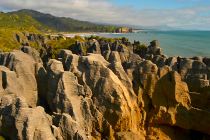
110	93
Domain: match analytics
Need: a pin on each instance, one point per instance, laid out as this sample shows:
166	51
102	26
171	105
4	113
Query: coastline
104	78
100	75
174	43
84	34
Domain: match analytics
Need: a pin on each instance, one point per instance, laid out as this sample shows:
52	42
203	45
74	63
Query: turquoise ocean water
174	43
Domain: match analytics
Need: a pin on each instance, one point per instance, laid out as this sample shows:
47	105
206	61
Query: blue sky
161	4
179	14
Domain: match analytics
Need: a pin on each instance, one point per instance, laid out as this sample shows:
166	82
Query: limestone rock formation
24	66
9	82
154	48
94	47
18	121
32	52
172	105
114	99
101	89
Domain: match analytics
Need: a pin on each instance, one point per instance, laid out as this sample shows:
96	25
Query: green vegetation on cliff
63	24
12	24
7	40
18	22
68	43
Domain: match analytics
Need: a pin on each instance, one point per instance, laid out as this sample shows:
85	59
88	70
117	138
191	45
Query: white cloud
103	11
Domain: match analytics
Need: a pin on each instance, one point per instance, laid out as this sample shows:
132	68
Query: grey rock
206	61
105	51
25	68
197	81
154	48
113	94
9	82
94	47
184	66
114	57
148	67
159	60
197	58
172	62
18	121
32	52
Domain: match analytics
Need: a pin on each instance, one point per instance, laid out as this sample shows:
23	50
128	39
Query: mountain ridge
30	21
64	24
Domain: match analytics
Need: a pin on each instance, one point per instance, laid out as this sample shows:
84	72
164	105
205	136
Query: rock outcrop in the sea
108	92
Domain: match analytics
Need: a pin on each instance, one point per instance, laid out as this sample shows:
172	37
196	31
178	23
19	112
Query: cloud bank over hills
108	11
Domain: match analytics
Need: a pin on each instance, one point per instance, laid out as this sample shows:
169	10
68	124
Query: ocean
174	43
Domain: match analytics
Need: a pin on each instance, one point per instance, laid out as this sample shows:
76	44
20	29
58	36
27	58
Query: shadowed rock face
18	121
110	93
24	67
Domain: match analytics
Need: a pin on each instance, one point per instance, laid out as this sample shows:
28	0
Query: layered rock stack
108	93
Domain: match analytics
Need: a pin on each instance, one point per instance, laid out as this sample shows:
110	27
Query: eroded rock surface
109	92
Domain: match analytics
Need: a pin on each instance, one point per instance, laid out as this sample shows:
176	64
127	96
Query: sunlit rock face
109	92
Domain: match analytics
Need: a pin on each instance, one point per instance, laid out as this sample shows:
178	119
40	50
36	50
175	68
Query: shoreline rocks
108	92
